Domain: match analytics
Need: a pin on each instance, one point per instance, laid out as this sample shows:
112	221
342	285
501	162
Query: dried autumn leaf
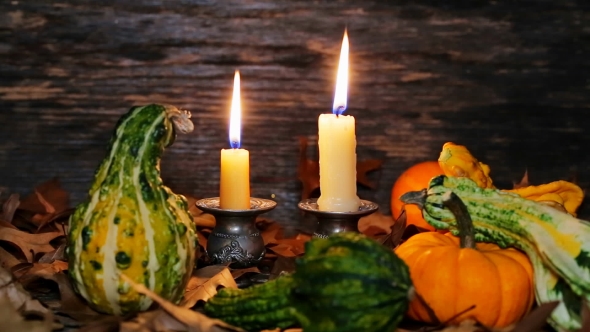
375	224
48	197
9	207
270	234
308	171
282	266
204	282
17	296
363	168
288	247
57	254
154	320
194	321
29	244
236	273
537	318
12	321
394	238
40	270
71	304
7	260
524	182
467	325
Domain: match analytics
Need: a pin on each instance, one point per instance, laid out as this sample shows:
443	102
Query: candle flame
341	94
235	120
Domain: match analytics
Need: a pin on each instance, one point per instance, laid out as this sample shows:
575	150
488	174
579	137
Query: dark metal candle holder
235	238
330	223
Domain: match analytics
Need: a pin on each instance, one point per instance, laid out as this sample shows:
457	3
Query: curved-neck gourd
131	223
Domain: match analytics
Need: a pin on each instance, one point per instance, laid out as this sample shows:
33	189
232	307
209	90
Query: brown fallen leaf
71	304
375	224
288	247
236	273
9	207
204	283
12	321
308	171
282	265
48	197
194	321
394	238
537	318
58	254
271	233
105	324
154	320
363	168
7	260
29	244
40	270
17	296
524	182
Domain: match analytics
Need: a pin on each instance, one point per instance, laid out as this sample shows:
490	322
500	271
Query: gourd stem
415	197
464	223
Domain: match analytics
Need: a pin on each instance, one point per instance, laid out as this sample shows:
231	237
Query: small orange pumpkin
414	178
452	274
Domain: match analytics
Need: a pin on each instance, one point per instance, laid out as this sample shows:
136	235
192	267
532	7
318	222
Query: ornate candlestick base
235	238
330	223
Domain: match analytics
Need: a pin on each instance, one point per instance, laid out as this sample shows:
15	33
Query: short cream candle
234	185
337	148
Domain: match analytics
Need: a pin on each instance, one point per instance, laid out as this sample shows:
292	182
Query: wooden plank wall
509	79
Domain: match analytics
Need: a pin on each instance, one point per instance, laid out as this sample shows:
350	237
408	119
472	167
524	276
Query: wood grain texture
511	80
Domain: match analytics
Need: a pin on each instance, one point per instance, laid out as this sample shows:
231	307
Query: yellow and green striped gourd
131	223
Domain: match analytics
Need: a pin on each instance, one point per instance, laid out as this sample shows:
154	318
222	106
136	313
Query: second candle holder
330	223
235	238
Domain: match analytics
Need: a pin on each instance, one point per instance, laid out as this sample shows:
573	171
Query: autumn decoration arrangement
457	254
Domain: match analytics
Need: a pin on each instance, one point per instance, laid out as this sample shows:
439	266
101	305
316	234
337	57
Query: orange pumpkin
412	179
453	275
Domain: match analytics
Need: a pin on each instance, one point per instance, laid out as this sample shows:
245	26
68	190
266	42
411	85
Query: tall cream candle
337	145
234	185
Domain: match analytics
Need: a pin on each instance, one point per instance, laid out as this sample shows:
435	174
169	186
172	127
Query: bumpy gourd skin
131	223
345	283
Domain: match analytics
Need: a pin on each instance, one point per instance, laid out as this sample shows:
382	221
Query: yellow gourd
455	160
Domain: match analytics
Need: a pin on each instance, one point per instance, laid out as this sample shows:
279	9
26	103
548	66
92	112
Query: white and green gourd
557	243
131	223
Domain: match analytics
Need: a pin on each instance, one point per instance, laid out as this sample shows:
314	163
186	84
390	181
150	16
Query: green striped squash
344	283
131	224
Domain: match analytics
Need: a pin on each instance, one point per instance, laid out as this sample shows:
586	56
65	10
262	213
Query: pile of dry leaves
36	295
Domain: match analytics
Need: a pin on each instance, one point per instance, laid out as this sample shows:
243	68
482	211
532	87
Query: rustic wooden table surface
511	80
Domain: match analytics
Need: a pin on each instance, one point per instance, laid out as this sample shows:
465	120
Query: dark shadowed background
508	79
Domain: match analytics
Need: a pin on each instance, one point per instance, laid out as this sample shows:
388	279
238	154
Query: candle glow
235	120
234	184
337	145
341	93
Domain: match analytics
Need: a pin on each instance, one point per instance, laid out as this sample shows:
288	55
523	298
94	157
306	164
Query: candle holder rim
257	206
365	208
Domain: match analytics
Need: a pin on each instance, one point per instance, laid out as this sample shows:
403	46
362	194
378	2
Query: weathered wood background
509	79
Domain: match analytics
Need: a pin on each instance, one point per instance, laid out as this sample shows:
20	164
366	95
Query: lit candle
234	187
337	145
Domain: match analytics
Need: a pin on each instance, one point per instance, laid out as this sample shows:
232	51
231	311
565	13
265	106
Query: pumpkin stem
414	197
464	223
